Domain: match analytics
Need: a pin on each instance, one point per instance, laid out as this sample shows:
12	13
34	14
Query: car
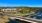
25	16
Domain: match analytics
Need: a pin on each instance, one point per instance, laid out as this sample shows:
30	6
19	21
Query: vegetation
24	10
0	9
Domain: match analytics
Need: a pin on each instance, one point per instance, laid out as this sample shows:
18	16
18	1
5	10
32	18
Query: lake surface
17	21
13	21
38	14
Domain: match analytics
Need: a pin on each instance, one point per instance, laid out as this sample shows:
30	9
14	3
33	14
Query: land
3	20
22	12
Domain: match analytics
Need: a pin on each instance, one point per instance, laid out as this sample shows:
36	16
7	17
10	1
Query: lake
17	21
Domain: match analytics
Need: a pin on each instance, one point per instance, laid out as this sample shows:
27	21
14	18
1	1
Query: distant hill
21	7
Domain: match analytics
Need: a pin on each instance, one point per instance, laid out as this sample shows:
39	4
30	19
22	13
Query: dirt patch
3	20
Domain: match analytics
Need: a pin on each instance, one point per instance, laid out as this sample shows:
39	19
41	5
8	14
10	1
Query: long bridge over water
26	19
31	20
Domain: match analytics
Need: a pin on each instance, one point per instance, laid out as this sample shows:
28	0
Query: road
26	19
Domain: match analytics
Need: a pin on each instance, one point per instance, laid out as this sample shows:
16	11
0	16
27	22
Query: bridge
31	20
26	19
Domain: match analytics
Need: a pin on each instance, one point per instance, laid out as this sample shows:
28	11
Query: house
9	10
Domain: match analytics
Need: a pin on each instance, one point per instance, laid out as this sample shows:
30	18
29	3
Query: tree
0	10
24	10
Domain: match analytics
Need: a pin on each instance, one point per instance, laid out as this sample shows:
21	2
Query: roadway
27	19
24	19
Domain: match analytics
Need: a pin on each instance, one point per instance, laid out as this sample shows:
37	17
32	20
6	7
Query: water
17	21
38	12
38	15
13	21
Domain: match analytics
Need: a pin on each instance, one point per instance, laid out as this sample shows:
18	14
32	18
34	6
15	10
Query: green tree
24	10
0	10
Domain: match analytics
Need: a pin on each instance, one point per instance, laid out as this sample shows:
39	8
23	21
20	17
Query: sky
30	3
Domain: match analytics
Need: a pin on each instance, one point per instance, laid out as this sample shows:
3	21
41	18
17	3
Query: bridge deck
27	19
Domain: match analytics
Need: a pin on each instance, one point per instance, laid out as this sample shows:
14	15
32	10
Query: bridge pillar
34	22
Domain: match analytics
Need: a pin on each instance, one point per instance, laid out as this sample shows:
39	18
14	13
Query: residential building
9	10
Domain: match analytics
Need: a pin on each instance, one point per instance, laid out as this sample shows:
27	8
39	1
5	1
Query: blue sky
30	3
